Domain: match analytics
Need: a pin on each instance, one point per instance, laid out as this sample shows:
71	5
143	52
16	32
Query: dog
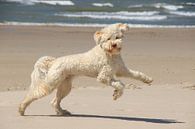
103	62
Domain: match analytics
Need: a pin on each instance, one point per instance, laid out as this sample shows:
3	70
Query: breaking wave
183	13
168	6
103	4
123	15
50	2
189	3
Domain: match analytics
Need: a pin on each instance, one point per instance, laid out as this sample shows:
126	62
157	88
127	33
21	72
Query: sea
136	13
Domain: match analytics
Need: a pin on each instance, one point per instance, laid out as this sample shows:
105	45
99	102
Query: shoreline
93	25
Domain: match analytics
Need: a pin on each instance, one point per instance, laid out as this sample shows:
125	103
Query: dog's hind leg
62	91
34	93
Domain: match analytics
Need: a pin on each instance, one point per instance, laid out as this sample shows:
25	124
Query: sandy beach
166	54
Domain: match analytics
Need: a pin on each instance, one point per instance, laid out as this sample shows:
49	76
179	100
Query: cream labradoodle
103	62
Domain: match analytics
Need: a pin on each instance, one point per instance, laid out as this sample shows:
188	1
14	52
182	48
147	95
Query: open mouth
119	49
114	50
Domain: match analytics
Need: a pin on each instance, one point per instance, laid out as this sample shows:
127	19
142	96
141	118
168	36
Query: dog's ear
97	36
123	27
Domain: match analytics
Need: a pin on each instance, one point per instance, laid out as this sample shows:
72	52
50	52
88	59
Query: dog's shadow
141	119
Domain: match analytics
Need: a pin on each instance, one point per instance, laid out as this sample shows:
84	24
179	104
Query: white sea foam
103	4
189	3
26	2
168	6
142	16
121	13
144	13
135	6
50	2
56	2
94	25
183	13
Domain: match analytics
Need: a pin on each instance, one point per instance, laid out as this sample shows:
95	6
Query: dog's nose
114	45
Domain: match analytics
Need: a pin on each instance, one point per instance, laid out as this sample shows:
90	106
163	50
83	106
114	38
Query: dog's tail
40	71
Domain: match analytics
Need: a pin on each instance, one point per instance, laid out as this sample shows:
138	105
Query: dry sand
156	107
168	55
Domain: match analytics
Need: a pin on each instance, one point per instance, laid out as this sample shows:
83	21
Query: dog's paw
21	110
63	113
117	94
148	80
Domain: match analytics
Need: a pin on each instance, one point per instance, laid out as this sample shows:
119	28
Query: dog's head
110	37
114	31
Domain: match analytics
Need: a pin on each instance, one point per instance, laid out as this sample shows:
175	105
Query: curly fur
103	62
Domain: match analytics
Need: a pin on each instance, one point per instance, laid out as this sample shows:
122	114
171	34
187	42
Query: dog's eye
109	38
117	37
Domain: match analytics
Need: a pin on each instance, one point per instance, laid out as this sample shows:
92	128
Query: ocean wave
135	6
144	13
140	18
189	3
50	2
160	5
103	4
123	15
168	6
56	2
26	2
94	25
183	13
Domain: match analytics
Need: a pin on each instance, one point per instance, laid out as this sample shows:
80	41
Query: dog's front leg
119	87
126	72
106	76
